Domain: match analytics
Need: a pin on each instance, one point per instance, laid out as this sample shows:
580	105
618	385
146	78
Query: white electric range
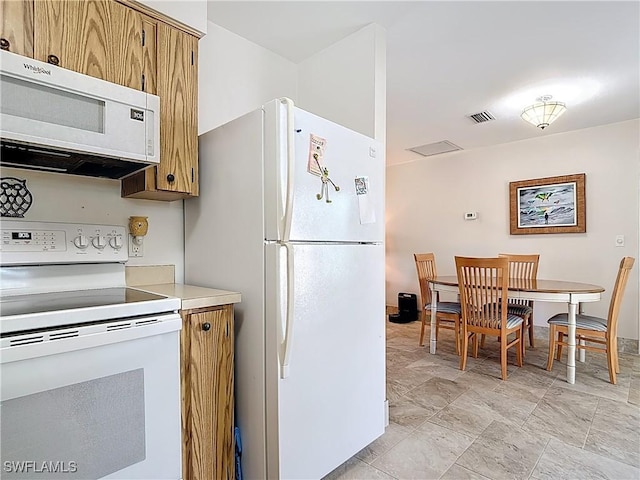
90	369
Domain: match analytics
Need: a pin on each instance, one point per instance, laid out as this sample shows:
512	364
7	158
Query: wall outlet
135	249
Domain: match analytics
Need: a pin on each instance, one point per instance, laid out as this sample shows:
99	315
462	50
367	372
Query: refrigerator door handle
288	331
290	156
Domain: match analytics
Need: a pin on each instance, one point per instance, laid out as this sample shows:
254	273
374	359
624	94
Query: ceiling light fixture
543	113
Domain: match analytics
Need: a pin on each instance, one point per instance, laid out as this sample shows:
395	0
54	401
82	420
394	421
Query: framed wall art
548	205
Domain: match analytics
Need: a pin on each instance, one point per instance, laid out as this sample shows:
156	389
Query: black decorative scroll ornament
15	197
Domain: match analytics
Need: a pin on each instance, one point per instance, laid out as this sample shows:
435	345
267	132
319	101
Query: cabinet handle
170	178
4	44
53	60
206	326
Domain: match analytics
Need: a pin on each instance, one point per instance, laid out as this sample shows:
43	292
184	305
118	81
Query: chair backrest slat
523	270
626	264
426	268
483	284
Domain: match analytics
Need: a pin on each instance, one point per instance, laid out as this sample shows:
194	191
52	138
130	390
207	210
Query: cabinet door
16	22
211	397
149	55
98	38
177	88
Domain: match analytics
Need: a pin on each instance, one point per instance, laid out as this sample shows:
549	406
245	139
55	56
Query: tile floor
449	424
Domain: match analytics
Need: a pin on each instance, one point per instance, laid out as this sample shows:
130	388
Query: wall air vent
481	117
435	148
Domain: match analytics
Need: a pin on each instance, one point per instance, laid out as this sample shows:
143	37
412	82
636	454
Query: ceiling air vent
481	117
435	148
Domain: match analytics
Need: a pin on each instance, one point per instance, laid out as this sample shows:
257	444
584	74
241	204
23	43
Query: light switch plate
619	240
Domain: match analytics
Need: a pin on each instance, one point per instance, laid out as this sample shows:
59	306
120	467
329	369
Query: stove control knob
81	241
116	242
99	242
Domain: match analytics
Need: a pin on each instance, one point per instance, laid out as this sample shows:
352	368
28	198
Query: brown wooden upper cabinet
16	22
177	85
110	40
98	38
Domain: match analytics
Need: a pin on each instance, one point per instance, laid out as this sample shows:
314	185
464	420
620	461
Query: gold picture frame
548	205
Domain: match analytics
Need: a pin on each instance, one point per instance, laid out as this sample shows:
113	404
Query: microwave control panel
28	243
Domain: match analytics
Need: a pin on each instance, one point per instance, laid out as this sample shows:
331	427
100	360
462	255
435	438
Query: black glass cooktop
58	301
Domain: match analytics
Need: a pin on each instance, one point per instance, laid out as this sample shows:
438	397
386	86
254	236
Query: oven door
95	401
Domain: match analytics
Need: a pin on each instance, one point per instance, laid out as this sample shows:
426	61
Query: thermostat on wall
471	215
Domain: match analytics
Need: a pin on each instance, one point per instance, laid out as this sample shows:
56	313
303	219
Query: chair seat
512	320
586	322
446	307
516	309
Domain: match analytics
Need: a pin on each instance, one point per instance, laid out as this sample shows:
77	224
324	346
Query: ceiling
447	60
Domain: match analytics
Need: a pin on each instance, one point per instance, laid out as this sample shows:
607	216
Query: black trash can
407	309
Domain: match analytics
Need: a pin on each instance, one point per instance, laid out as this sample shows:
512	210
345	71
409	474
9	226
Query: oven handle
89	336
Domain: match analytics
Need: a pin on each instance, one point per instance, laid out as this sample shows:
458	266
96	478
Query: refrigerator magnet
317	146
365	202
324	189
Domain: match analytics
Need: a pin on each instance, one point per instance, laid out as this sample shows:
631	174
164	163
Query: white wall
426	200
67	198
236	76
346	82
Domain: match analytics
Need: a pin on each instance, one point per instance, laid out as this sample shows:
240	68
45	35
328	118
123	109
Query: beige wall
427	198
68	198
346	82
236	76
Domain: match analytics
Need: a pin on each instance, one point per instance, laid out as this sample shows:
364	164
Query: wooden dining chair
483	284
603	331
523	270
446	312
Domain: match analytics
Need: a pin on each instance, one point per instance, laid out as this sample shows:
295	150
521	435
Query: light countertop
192	296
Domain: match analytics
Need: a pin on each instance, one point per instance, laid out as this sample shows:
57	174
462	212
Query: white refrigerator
291	215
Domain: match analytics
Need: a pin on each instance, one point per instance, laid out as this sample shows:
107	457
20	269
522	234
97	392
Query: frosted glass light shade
543	114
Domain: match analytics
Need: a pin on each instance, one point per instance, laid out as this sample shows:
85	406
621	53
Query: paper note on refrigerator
365	201
316	154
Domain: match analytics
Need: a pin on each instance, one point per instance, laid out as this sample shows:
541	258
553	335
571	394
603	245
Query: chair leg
503	357
437	327
560	339
482	340
423	316
520	345
552	345
465	349
456	326
524	345
475	345
611	361
530	323
615	352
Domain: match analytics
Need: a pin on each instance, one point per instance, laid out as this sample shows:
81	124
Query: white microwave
57	120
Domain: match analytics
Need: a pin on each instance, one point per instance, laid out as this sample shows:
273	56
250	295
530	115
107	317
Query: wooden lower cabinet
206	367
